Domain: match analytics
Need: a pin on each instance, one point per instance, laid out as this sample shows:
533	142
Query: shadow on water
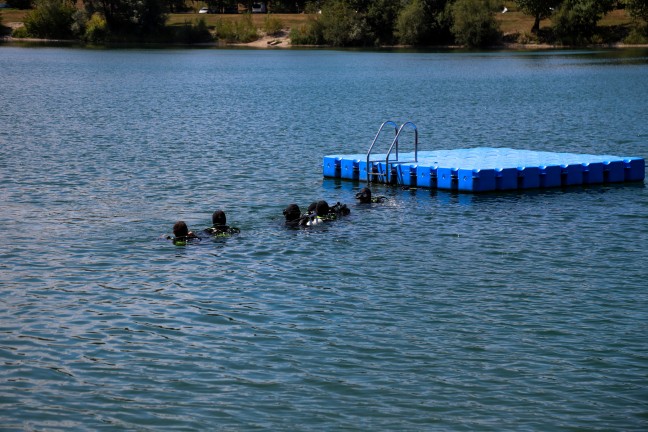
466	198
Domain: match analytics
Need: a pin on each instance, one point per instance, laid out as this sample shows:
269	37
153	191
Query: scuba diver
311	209
339	210
294	218
364	197
324	213
182	235
219	226
317	213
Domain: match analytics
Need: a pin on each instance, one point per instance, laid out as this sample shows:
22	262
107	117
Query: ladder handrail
382	126
397	132
395	142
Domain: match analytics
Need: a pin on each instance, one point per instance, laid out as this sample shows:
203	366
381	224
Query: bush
272	25
474	24
411	26
51	19
341	25
79	22
239	30
20	32
637	36
132	19
380	18
574	23
310	33
193	33
96	29
638	9
538	9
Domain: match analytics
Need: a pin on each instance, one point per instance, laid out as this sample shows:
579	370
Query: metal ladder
394	144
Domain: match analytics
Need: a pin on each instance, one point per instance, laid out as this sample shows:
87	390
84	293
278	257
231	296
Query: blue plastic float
480	169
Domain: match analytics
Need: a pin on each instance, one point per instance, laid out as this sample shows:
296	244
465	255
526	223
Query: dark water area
432	311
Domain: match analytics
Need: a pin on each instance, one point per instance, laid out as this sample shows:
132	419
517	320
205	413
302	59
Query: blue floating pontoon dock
480	169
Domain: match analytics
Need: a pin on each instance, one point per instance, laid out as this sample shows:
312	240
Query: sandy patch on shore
280	40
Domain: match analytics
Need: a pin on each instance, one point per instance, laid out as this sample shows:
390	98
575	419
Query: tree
439	16
51	19
539	9
130	17
473	22
221	6
176	5
342	25
424	22
411	26
286	6
380	18
638	9
575	21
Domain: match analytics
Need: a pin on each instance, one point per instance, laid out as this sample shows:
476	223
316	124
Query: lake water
432	311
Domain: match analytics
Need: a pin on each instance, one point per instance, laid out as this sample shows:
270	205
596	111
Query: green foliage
272	25
638	36
240	30
79	22
574	23
638	9
411	25
20	33
375	22
193	33
51	19
310	33
539	9
312	7
140	18
424	22
96	29
473	22
438	13
380	18
342	25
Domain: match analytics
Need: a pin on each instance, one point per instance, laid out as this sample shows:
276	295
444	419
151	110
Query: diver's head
364	196
322	208
312	207
292	212
218	218
180	229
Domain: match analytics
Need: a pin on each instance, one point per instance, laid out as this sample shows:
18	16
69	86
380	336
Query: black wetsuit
222	230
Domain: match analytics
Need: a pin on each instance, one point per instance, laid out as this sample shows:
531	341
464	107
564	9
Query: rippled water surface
435	310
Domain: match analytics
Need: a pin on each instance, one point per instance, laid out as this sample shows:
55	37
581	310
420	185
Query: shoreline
283	42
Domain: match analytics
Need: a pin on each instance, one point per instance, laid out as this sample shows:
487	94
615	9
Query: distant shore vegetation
339	23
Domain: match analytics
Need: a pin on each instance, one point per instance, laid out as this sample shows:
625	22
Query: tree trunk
536	25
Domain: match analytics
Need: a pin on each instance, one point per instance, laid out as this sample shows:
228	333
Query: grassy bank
288	20
510	22
514	25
